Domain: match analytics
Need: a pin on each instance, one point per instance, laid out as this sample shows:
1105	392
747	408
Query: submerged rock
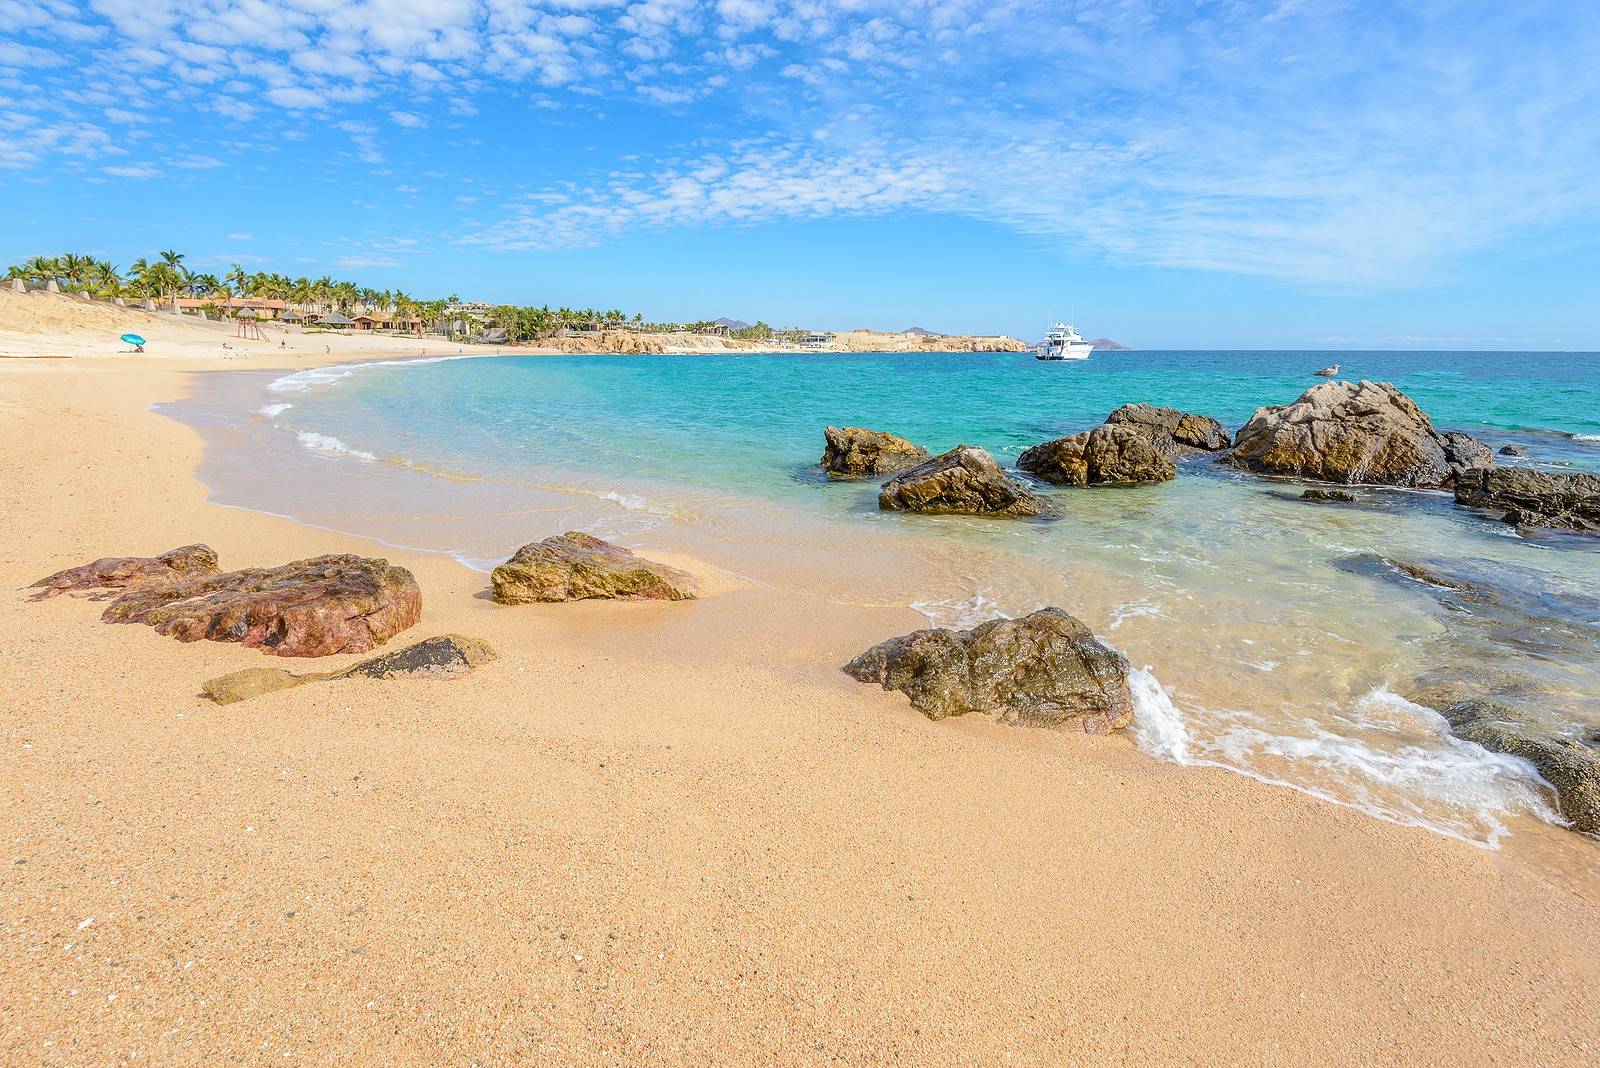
447	657
1569	765
855	452
1345	432
317	607
575	566
1045	669
1566	500
1322	495
1108	455
963	481
1182	429
111	576
1513	450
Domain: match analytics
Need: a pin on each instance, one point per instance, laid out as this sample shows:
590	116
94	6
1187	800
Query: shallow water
1283	650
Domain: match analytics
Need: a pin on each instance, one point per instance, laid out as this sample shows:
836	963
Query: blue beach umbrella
133	339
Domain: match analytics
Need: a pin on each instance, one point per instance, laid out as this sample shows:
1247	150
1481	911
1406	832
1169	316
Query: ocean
1273	637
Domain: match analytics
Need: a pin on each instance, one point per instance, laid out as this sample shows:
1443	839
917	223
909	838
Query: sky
1200	174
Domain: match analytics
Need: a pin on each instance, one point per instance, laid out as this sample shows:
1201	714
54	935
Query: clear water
1280	656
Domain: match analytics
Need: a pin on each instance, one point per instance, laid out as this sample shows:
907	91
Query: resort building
261	306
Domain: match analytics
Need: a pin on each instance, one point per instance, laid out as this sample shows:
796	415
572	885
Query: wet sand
668	834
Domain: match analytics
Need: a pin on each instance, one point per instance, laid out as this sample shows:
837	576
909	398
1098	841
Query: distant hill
732	324
920	332
1107	343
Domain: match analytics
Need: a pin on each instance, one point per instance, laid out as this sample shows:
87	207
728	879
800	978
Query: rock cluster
575	566
963	481
1045	669
317	607
1108	455
113	575
1137	443
1184	430
855	452
1324	496
447	657
1354	432
1529	497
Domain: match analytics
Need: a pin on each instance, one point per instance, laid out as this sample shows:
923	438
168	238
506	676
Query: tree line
165	277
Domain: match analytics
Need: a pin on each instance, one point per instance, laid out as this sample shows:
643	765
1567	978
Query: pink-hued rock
111	576
577	567
317	607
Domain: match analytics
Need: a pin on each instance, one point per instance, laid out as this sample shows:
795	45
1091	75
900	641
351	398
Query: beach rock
575	566
1465	453
963	481
1513	450
110	576
316	607
1341	496
1345	432
1569	765
252	682
854	452
1045	669
1182	429
1563	499
447	657
1108	455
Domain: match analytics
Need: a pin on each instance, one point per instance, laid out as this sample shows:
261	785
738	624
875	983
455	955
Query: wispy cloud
1326	142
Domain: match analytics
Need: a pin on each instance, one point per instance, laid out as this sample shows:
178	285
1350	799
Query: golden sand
659	833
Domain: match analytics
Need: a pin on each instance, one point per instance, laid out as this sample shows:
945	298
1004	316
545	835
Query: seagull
1328	372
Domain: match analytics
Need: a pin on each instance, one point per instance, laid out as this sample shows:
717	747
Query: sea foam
327	443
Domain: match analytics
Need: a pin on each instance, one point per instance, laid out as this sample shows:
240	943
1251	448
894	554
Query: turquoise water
1273	647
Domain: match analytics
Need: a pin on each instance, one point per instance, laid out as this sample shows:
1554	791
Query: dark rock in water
1569	765
1565	500
1045	669
1108	455
113	575
575	567
1465	453
963	481
1345	432
447	657
1341	496
854	452
317	607
1513	450
1500	606
1182	429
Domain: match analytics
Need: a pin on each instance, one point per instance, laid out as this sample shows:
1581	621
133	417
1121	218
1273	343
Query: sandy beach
656	833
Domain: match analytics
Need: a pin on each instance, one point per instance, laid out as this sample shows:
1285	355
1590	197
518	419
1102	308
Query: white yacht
1063	342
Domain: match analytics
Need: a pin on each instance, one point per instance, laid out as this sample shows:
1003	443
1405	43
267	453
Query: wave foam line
327	443
1428	779
300	381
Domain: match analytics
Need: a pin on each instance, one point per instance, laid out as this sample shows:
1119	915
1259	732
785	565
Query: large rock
854	452
1183	429
317	607
575	566
1108	455
963	481
1571	766
112	575
1530	497
1345	432
446	657
1045	669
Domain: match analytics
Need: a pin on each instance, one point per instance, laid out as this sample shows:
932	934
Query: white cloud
408	119
240	237
352	263
138	170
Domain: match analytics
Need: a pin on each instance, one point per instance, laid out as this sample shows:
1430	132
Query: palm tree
239	280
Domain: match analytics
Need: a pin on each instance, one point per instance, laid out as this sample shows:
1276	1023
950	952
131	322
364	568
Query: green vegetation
165	278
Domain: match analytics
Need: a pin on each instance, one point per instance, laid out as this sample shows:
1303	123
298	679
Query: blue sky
1300	173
